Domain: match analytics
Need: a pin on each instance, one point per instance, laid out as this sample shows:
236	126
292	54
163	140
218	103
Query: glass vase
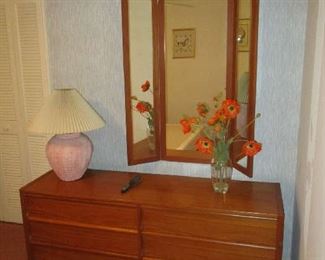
221	173
151	138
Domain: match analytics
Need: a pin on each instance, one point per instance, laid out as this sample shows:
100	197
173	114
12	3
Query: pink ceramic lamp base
69	155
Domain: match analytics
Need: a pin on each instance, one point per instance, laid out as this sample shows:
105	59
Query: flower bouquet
146	110
214	140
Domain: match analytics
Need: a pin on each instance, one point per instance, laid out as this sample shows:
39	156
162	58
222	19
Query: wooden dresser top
193	194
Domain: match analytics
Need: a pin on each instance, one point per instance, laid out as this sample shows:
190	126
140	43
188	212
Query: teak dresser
165	217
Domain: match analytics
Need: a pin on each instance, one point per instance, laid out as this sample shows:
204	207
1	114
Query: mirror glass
243	56
198	64
245	75
140	79
195	63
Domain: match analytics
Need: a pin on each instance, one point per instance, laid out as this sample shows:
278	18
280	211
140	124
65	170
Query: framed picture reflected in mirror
184	43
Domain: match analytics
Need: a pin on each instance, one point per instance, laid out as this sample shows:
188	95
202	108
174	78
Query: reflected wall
141	57
196	76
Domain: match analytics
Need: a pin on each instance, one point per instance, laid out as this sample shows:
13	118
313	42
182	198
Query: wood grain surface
164	217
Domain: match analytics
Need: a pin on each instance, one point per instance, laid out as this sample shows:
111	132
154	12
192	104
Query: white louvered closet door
23	86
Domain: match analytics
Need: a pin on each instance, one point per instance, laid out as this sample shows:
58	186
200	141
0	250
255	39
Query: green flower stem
246	126
238	140
221	153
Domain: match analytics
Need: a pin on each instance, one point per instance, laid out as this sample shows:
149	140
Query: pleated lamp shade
66	114
65	111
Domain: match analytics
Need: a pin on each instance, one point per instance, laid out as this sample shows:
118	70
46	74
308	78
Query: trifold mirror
178	53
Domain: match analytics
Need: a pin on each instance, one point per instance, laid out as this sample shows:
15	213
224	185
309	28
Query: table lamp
66	114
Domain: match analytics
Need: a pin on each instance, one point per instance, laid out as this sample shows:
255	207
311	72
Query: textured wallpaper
85	52
279	83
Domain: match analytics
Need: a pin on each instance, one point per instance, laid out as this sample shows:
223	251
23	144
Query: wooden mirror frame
139	153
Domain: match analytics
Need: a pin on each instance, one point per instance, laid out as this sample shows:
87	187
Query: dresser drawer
84	239
54	253
227	228
79	213
177	248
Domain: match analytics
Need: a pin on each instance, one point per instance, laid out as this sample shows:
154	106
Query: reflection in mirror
140	65
243	56
195	62
244	14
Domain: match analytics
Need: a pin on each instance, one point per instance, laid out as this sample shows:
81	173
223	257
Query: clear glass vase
151	138
221	173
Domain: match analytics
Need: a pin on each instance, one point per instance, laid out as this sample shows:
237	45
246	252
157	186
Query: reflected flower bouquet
145	108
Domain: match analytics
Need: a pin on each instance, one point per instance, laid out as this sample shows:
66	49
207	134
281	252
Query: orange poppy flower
192	120
142	107
202	109
250	148
145	86
231	108
204	145
220	114
212	120
186	125
217	128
